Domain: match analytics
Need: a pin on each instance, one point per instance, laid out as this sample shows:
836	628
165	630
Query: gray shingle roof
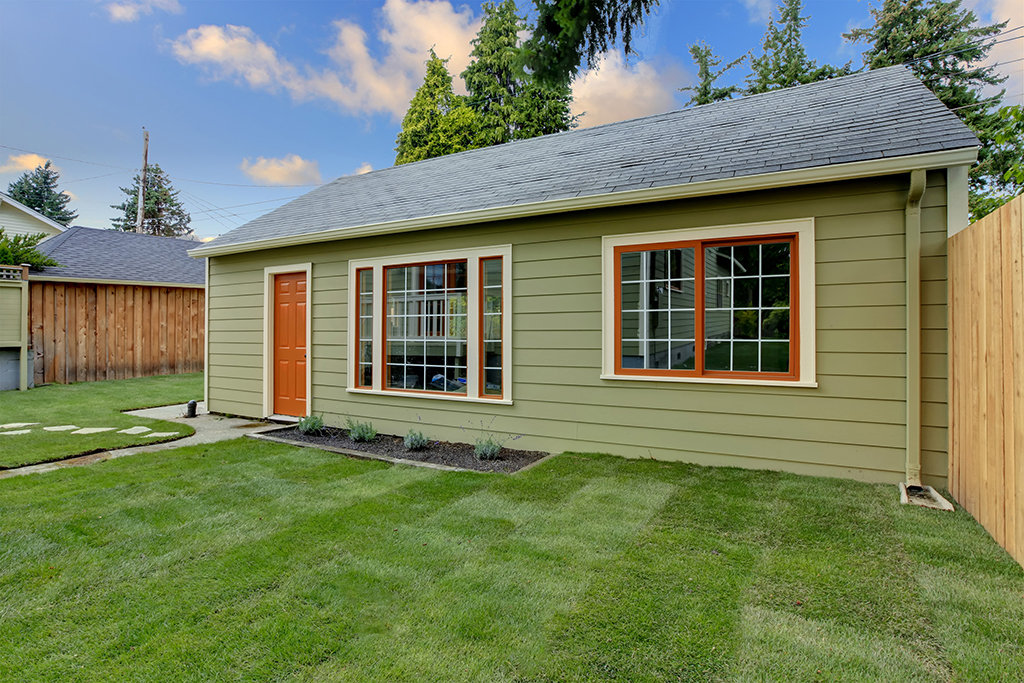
93	254
869	116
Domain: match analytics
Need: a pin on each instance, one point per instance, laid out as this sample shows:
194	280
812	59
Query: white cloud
617	91
998	11
759	10
290	170
365	167
70	194
357	81
127	11
17	163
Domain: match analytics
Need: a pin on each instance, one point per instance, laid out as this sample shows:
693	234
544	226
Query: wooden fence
88	332
986	406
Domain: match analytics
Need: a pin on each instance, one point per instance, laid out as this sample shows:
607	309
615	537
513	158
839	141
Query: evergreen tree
438	122
705	91
783	62
38	191
510	103
944	45
569	31
164	214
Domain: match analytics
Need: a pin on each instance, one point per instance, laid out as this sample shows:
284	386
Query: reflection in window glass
657	323
746	319
364	328
491	302
426	324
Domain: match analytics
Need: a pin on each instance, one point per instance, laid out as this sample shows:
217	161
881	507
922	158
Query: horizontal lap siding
852	425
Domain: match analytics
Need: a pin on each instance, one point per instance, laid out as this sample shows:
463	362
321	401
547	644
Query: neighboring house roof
860	124
14	203
91	254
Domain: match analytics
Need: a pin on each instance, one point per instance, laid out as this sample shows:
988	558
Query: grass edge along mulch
249	560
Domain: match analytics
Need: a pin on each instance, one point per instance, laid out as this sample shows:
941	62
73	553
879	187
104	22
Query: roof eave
802	176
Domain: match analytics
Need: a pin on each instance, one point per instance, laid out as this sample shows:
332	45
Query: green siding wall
852	425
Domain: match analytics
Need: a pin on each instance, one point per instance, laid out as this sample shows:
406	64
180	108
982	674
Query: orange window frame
481	341
359	317
699	308
384	324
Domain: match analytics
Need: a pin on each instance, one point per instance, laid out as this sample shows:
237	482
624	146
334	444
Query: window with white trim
432	325
717	304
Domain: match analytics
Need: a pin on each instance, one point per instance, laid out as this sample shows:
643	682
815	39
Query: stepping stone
61	428
17	431
135	430
94	430
157	435
15	425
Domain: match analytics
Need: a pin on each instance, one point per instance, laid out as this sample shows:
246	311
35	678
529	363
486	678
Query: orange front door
290	344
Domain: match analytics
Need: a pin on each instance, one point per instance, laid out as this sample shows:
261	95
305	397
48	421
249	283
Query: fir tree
38	191
943	44
164	214
783	62
510	103
705	91
438	122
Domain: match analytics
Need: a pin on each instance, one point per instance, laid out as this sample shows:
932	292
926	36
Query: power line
207	182
203	203
989	100
82	180
265	201
54	156
971	46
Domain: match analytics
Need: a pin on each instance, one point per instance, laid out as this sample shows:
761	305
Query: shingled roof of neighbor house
876	115
94	254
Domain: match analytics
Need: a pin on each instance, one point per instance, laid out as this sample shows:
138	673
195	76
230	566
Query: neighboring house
18	219
120	305
759	282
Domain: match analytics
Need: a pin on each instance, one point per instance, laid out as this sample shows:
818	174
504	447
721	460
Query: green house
757	283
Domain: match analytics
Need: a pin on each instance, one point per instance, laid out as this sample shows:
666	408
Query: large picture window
719	306
433	325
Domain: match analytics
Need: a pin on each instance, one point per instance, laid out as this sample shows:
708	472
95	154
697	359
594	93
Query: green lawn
89	404
254	561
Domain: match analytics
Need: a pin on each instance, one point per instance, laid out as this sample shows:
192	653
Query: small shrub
488	447
311	424
415	441
360	431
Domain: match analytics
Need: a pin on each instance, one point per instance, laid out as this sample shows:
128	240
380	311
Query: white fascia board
802	176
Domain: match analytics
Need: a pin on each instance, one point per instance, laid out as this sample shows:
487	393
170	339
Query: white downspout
913	236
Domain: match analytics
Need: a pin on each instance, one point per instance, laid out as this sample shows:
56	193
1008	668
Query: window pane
657	325
456	273
744	356
366	281
364	329
681	294
775	258
396	353
682	325
717	262
744	325
492	301
718	355
365	375
631	296
414	278
492	328
774	356
457	326
434	276
492	272
630	266
657	294
457	303
396	279
747	291
631	357
747	259
365	352
775	323
681	263
415	352
683	355
718	325
631	325
775	292
718	293
657	355
492	355
657	265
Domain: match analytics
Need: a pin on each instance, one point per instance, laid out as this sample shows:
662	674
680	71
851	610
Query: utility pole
142	180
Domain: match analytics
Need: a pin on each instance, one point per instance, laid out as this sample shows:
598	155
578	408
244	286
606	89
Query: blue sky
241	98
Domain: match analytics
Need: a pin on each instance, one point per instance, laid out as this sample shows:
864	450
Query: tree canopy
945	46
510	103
705	91
38	191
783	61
571	32
164	214
438	121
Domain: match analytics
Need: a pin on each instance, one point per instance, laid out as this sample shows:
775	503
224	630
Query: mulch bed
460	455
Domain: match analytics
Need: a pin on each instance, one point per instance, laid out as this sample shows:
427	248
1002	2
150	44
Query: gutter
912	216
763	181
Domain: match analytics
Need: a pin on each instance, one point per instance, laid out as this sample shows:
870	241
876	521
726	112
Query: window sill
717	380
434	396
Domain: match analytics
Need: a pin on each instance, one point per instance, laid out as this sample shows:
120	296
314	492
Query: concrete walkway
209	429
